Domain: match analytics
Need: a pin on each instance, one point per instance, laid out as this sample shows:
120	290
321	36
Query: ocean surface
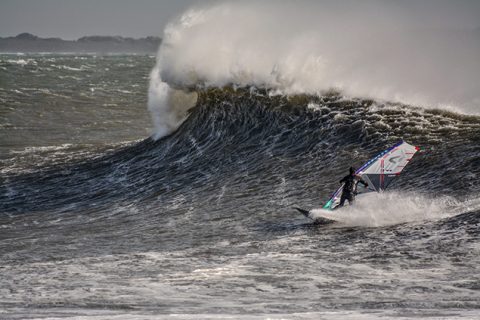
98	220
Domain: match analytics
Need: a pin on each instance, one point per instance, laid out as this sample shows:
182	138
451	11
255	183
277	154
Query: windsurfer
350	187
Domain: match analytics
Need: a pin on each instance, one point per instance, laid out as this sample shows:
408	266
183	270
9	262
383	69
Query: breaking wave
374	51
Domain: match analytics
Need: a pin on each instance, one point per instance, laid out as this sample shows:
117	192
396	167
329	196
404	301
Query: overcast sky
72	19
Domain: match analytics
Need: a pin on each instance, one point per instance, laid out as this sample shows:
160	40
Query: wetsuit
350	188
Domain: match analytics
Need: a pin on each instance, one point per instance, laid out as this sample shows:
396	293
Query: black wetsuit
350	188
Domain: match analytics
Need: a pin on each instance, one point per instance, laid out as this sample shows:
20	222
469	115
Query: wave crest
315	47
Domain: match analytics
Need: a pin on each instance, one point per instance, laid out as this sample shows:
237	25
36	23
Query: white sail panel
382	169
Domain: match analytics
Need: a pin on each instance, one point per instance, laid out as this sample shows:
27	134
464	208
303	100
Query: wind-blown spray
371	49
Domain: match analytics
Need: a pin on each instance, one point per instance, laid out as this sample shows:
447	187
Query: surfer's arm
363	182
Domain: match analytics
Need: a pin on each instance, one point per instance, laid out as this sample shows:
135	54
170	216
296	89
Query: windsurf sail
380	171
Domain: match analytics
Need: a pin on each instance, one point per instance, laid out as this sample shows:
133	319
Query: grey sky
71	19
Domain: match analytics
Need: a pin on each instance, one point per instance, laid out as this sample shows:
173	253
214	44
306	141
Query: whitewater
374	51
186	210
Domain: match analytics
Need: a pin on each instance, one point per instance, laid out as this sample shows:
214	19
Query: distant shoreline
29	43
72	53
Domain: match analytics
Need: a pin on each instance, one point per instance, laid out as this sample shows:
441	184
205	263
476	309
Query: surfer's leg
351	199
342	200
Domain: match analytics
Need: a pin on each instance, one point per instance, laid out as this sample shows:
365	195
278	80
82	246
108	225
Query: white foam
401	52
390	208
22	62
168	106
371	314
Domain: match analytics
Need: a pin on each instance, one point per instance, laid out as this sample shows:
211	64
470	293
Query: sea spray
393	207
167	106
376	51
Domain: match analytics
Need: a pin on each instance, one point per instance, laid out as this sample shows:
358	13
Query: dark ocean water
99	221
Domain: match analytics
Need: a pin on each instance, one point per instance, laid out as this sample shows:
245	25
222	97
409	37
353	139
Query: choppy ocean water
99	221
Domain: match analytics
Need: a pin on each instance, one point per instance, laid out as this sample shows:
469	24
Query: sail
380	171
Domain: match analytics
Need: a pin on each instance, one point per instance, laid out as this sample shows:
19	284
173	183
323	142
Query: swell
250	142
